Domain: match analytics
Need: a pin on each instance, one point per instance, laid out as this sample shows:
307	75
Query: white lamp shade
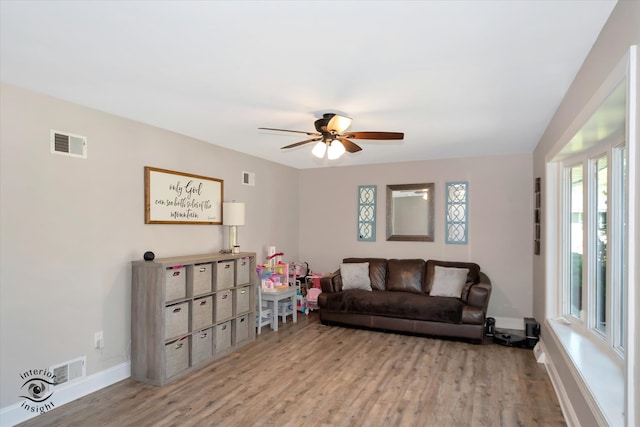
233	213
336	149
319	149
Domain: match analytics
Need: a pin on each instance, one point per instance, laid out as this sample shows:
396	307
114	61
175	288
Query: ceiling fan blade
294	131
300	143
338	124
349	145
374	135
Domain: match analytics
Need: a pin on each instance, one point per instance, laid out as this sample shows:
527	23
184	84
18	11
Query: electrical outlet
98	339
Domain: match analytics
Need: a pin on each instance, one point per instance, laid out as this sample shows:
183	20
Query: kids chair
264	314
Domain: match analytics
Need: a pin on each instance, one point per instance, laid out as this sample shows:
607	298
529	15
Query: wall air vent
249	178
69	371
68	144
61	374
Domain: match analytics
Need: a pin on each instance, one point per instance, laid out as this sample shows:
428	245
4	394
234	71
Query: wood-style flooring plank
307	374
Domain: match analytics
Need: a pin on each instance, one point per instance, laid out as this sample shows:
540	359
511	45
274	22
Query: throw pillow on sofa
355	276
448	281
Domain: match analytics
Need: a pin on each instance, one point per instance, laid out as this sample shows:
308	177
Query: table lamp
233	216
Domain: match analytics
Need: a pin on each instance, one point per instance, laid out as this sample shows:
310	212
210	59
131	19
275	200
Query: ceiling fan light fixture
332	139
336	149
319	149
338	124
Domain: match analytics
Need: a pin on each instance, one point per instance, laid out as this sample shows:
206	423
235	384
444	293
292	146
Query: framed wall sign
181	198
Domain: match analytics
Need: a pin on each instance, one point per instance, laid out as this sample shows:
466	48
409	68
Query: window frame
617	225
370	204
565	243
450	221
611	339
614	395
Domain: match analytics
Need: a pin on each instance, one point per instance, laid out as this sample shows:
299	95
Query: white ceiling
460	78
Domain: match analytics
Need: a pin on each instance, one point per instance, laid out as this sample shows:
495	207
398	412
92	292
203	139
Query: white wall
500	220
621	31
70	227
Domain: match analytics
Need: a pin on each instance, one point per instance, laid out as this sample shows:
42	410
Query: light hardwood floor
312	375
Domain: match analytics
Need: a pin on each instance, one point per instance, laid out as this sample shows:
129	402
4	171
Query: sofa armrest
472	315
331	283
479	293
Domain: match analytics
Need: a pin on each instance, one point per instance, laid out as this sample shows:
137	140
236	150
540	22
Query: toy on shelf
275	258
273	275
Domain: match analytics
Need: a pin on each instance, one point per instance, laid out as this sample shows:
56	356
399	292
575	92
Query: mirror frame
428	234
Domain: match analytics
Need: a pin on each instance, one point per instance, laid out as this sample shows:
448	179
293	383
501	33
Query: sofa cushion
405	275
448	281
377	270
472	277
355	275
394	304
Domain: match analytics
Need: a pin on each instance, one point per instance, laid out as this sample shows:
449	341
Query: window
600	244
576	249
595	247
619	247
367	213
591	273
457	216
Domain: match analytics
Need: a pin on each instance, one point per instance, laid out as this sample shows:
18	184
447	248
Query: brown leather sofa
400	300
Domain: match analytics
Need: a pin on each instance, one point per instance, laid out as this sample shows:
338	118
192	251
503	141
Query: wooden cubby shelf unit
189	311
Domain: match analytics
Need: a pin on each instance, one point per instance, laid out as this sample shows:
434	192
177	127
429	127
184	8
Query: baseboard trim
15	414
563	398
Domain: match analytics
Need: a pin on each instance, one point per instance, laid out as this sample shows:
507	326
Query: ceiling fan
333	137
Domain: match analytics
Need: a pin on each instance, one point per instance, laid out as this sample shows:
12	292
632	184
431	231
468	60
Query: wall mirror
410	212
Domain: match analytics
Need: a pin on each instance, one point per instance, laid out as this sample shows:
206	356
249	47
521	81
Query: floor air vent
69	371
68	144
